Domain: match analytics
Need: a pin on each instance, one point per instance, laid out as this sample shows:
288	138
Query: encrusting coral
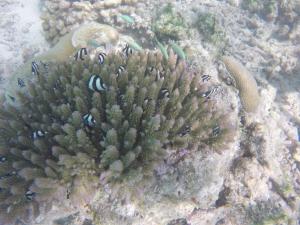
84	118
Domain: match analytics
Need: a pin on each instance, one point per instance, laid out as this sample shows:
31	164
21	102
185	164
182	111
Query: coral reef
84	120
265	213
100	34
61	16
169	24
285	11
210	29
245	83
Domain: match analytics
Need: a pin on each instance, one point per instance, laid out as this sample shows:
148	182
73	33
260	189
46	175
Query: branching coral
83	119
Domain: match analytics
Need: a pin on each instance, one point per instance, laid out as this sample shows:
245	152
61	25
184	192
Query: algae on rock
169	24
209	28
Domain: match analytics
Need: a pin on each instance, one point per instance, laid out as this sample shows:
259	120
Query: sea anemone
83	118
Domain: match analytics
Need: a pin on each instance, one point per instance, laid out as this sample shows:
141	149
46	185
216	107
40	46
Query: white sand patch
21	34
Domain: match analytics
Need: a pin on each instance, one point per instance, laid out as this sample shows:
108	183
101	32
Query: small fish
2	158
127	50
298	131
101	57
134	45
80	54
147	100
38	134
185	131
121	98
29	195
96	83
35	68
205	77
159	75
127	18
178	50
216	131
150	69
11	97
89	120
164	93
208	93
120	70
68	194
163	50
21	83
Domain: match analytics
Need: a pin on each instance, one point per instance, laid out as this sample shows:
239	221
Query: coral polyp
83	118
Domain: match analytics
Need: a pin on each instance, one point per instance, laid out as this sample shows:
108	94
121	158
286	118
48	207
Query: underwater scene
150	112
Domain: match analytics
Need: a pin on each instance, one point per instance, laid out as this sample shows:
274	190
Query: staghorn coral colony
98	119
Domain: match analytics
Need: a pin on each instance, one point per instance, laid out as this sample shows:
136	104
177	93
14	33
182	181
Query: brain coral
82	118
245	83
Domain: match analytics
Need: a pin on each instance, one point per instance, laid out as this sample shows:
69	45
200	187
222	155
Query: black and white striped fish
101	57
164	93
150	69
159	75
205	77
80	54
216	131
21	83
121	98
38	134
127	50
120	70
96	83
208	93
186	130
147	100
89	120
29	195
68	193
35	68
